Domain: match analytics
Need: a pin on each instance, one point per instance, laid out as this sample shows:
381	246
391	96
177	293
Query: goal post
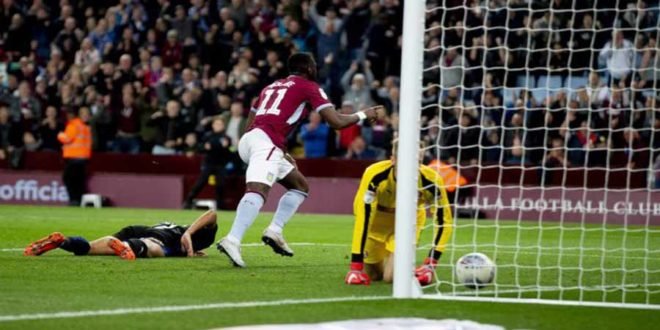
547	115
408	147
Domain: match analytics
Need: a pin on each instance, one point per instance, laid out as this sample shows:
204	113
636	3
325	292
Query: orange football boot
121	249
50	242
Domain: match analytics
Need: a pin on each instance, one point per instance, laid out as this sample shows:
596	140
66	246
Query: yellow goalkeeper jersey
376	198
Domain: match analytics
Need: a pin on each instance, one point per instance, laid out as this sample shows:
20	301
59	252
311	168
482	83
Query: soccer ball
475	270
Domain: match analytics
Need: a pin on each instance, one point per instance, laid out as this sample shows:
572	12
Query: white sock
286	208
247	210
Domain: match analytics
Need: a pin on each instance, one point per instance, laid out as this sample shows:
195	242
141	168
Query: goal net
542	118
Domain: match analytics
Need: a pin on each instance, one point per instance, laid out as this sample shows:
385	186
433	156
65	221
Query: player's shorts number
274	107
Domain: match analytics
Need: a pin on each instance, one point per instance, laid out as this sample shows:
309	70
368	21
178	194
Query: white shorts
266	162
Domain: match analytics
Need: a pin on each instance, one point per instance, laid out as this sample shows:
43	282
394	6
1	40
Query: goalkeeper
373	232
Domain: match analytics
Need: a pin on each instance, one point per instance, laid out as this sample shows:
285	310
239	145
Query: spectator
451	68
127	118
348	134
100	37
171	129
183	25
469	140
15	42
636	150
583	54
9	133
513	140
360	150
217	148
581	140
358	90
597	92
172	52
236	123
314	136
25	107
330	30
49	129
189	146
30	142
554	159
87	54
123	75
619	55
357	23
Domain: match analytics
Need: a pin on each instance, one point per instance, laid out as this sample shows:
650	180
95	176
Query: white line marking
180	308
472	293
543	302
501	250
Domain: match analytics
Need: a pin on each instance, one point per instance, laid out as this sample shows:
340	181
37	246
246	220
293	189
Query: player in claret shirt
280	107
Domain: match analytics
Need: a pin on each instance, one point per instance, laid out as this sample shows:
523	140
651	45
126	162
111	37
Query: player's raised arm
337	120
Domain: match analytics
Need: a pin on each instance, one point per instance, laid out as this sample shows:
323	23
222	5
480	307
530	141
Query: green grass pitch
59	282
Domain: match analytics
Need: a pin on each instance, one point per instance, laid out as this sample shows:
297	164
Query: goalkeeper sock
286	208
247	210
76	245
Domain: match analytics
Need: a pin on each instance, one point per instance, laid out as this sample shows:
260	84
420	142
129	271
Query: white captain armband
361	116
369	197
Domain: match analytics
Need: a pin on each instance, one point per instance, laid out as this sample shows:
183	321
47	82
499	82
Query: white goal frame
407	152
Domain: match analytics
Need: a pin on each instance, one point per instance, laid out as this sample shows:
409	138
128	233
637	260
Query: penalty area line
181	308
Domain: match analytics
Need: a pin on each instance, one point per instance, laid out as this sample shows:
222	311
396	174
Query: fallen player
161	240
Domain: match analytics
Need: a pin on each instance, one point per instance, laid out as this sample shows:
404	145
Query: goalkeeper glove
356	275
425	272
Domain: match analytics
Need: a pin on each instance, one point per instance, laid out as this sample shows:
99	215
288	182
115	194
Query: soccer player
278	109
162	240
373	232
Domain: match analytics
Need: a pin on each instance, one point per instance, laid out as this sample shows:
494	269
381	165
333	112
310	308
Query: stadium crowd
553	83
156	73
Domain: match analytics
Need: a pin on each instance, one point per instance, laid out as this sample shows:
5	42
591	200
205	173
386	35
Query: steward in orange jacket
76	149
449	174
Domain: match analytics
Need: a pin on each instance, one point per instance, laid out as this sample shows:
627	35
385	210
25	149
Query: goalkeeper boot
122	250
50	242
276	242
232	249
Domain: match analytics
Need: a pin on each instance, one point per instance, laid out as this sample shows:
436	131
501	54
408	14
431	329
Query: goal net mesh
542	118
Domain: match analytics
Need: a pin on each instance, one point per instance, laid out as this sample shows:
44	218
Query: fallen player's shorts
266	162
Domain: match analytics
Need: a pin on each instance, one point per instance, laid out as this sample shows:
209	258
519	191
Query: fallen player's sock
77	245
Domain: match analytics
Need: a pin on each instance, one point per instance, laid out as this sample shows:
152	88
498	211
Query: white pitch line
501	250
180	308
544	302
475	293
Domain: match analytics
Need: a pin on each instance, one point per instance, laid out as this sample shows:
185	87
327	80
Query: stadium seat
575	82
95	200
526	81
205	204
547	86
509	96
